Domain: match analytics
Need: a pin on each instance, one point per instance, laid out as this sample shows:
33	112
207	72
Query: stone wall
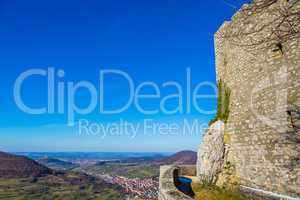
262	133
167	189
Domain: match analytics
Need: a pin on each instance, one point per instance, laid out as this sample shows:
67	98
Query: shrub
223	102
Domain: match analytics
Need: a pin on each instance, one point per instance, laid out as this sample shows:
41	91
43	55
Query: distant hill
141	167
67	186
12	166
146	159
180	158
24	178
56	164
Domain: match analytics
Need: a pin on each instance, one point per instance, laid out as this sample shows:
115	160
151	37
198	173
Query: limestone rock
211	153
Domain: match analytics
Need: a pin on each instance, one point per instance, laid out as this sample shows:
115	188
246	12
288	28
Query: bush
224	93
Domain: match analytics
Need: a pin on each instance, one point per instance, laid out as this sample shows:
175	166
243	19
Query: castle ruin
258	57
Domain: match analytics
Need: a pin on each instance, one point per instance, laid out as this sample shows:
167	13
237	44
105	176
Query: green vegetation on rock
224	93
208	192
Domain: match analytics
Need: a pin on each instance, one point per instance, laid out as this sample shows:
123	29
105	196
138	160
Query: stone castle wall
167	188
262	133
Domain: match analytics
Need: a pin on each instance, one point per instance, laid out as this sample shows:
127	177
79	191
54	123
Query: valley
99	176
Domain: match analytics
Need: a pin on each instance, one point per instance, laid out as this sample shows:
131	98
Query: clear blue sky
150	40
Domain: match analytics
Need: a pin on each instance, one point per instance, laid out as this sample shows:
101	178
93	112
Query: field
127	170
61	187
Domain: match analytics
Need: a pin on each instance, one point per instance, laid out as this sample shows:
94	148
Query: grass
46	188
126	170
215	193
223	102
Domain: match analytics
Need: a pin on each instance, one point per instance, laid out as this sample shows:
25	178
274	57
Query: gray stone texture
263	125
167	189
211	152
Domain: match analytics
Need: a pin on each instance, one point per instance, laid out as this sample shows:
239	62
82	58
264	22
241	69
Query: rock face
211	153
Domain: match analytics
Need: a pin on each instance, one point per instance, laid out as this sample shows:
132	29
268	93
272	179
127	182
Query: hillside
12	166
24	178
56	164
180	158
68	186
140	167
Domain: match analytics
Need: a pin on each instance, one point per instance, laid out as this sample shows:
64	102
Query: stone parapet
167	188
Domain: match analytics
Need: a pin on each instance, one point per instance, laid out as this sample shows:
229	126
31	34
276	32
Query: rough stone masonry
258	57
260	62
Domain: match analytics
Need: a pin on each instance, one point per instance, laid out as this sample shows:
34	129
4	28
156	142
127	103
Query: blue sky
149	40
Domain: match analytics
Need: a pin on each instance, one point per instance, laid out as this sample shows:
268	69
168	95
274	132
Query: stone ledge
259	194
167	188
